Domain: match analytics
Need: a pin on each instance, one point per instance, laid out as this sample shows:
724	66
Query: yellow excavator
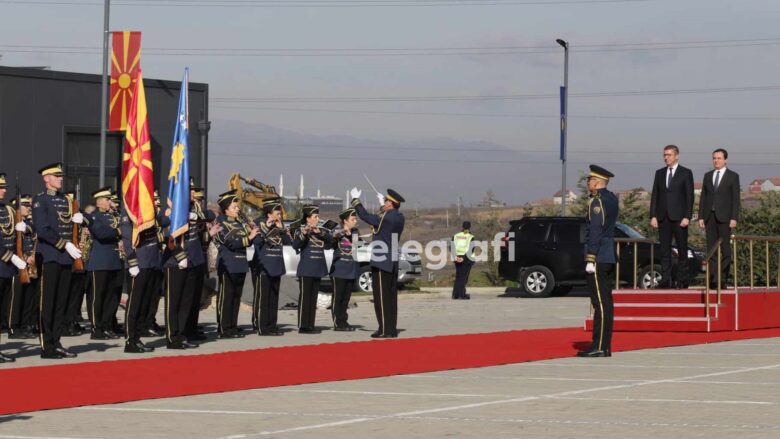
253	193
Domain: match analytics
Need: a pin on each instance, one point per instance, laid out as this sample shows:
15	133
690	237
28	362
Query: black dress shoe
594	353
6	359
231	335
197	337
270	333
467	297
17	334
66	353
309	331
134	348
99	335
190	345
376	334
52	355
176	345
347	328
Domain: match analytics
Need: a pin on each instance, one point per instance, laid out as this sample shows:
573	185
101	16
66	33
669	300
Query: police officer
386	230
345	269
232	265
196	245
310	242
600	259
104	265
25	296
464	260
268	268
53	221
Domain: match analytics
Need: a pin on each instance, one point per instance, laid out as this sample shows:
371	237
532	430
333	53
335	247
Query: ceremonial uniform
104	267
312	267
600	262
267	270
463	251
8	271
386	230
178	290
196	246
53	221
232	267
344	273
24	299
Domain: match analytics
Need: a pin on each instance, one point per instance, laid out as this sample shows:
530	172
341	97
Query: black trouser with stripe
103	296
265	305
600	286
308	289
6	296
53	302
192	318
462	271
229	301
151	302
385	286
140	289
179	292
342	292
78	288
28	317
15	305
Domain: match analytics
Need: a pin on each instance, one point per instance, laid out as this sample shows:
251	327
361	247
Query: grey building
48	116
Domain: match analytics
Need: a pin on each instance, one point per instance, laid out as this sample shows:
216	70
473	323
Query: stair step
650	309
662	297
658	324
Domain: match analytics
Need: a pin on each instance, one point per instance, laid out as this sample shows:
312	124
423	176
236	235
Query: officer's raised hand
355	193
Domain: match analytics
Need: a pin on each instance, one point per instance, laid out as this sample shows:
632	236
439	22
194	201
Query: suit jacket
676	201
723	203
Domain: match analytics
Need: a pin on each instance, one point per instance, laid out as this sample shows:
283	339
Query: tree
485	229
633	212
762	220
580	205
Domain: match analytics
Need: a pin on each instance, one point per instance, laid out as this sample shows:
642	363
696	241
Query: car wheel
562	290
538	281
364	281
650	277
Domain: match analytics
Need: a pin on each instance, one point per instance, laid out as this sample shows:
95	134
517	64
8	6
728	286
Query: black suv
549	256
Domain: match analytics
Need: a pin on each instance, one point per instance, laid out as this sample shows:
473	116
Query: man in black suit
719	210
671	205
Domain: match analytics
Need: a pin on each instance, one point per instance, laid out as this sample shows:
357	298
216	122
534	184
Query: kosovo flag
179	175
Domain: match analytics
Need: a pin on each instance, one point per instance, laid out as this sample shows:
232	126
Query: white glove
193	216
20	226
72	250
19	262
134	271
78	218
590	268
183	263
381	198
355	193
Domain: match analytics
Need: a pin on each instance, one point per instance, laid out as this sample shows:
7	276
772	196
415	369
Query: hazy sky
716	46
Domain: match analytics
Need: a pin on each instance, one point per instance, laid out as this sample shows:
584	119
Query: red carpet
105	382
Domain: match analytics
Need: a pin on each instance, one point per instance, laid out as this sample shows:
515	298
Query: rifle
24	275
78	264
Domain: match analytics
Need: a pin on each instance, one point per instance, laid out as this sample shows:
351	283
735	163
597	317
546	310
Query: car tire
650	277
562	290
364	282
537	281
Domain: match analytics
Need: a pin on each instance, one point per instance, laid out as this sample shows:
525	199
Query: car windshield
629	231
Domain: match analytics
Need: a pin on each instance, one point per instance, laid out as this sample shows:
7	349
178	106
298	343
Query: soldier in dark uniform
600	259
24	302
310	242
148	326
232	265
386	230
10	263
78	286
268	268
345	269
53	221
179	292
104	265
197	242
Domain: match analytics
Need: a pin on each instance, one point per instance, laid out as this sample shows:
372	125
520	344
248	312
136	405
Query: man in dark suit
719	210
671	206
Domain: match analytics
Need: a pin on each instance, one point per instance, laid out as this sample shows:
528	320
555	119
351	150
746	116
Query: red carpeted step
663	309
661	296
656	324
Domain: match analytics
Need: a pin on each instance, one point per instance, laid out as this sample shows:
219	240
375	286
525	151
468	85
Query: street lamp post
564	120
104	94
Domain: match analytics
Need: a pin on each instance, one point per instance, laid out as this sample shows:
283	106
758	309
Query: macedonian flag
137	174
125	62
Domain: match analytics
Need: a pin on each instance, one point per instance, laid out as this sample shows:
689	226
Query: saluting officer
345	269
268	268
197	235
232	265
53	220
25	296
104	265
310	241
386	230
600	259
10	263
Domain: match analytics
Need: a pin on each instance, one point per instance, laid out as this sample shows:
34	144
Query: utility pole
104	95
564	120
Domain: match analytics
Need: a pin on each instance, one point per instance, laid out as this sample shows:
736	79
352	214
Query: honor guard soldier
464	260
232	265
10	263
268	268
53	221
386	230
345	269
600	259
25	296
78	282
104	265
310	241
196	245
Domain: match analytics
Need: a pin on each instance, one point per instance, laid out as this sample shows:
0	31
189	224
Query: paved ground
729	390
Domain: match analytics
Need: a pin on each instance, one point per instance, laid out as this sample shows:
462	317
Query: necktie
669	178
717	179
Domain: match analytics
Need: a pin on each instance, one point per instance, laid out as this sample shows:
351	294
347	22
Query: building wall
49	116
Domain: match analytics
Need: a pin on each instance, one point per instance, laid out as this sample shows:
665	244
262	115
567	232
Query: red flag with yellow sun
125	62
137	174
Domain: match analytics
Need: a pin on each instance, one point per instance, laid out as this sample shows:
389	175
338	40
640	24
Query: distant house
697	188
570	197
641	193
764	185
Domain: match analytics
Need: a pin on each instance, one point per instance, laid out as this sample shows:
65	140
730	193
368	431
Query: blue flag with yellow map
179	175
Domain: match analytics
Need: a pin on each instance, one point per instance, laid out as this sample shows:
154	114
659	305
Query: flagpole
103	95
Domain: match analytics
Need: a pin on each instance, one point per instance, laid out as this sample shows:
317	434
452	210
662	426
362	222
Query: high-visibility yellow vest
462	242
